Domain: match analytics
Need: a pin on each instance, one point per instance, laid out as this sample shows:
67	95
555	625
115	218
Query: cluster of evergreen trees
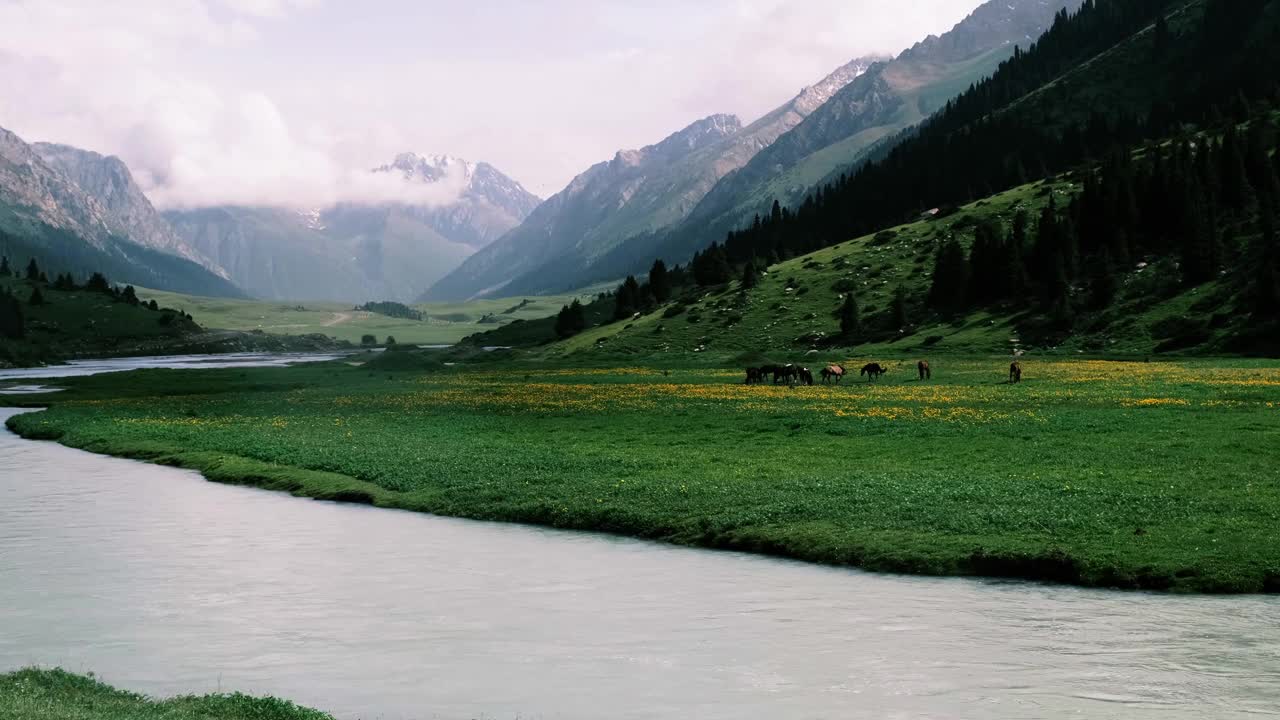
1188	200
391	309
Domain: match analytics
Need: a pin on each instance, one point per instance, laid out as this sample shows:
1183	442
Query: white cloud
290	101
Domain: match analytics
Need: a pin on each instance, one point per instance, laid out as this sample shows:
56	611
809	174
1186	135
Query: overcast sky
291	101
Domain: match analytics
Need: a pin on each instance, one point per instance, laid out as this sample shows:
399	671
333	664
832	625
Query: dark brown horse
925	372
785	373
832	372
805	376
873	371
1015	372
755	376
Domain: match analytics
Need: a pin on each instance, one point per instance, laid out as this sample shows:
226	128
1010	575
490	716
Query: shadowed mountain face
638	193
357	253
76	211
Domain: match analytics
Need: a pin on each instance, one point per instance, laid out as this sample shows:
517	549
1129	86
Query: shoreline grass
1151	476
55	694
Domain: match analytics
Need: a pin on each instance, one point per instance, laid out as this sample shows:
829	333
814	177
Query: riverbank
34	694
1155	476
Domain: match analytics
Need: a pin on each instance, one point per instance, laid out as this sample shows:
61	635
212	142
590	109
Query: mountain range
825	130
637	193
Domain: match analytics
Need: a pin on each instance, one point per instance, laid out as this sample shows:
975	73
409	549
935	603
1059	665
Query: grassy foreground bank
1157	475
59	695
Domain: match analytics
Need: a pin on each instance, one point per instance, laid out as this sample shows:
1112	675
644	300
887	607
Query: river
164	583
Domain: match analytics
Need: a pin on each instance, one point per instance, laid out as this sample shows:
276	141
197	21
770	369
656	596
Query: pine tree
1201	244
711	267
950	279
1266	281
1163	38
33	271
571	320
130	296
750	276
12	322
5	271
898	309
1105	284
98	283
850	320
1234	180
660	281
627	300
37	297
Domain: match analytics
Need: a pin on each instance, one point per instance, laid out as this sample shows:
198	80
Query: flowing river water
163	583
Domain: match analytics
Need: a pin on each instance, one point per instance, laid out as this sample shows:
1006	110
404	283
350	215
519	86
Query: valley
948	386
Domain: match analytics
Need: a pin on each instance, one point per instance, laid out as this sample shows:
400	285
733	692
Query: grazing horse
873	371
925	372
832	372
755	376
785	373
766	371
806	377
1015	372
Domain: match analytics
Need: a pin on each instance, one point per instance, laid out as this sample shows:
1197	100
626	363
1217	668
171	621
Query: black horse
873	371
755	376
806	377
785	373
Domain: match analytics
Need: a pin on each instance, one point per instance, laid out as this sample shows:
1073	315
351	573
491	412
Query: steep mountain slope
46	214
885	100
637	195
354	253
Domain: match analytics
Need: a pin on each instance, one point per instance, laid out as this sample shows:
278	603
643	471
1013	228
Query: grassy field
443	324
1157	475
59	695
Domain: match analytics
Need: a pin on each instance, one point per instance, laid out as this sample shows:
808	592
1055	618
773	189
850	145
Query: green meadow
33	694
1159	475
442	323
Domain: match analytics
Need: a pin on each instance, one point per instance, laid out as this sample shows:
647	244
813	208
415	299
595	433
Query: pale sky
292	101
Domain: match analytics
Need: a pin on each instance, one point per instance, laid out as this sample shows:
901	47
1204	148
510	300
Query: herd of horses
791	374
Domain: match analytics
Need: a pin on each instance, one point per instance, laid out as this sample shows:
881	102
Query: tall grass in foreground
34	694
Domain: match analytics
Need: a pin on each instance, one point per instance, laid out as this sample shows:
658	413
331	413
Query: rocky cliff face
36	191
126	211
